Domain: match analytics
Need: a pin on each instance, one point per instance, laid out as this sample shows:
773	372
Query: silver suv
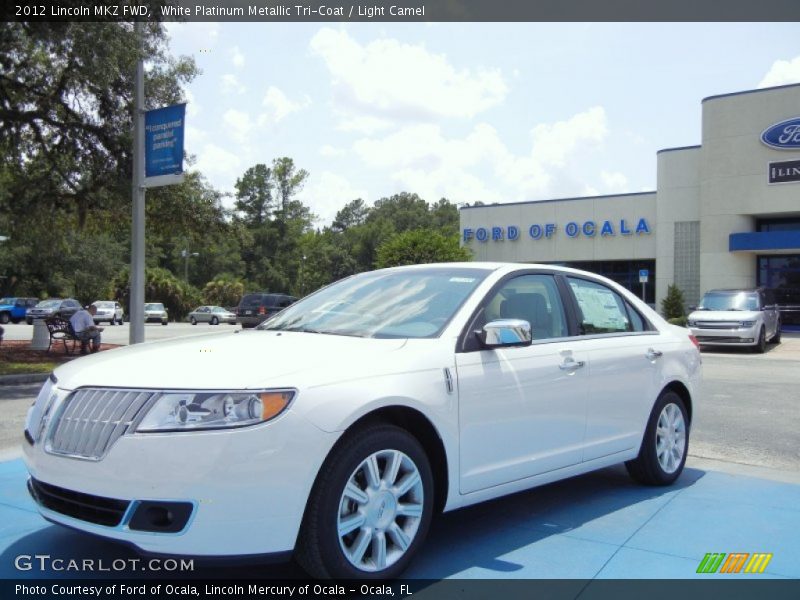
743	317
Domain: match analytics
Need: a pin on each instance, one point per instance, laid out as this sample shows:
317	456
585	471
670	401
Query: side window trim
648	326
466	341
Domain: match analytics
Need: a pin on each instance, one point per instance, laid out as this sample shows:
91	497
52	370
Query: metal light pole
186	254
136	334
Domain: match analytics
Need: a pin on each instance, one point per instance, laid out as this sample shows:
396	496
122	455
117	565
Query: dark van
255	308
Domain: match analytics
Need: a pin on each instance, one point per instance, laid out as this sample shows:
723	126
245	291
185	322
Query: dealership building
725	214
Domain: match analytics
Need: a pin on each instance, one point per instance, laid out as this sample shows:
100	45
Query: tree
672	306
254	194
178	297
223	291
420	247
352	214
66	109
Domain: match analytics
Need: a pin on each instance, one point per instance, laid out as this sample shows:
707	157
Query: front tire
776	339
761	346
29	321
665	444
4	318
370	508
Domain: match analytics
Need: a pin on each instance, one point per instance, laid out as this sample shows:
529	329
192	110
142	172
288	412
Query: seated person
83	325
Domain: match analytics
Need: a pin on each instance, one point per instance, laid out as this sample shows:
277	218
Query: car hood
241	359
724	315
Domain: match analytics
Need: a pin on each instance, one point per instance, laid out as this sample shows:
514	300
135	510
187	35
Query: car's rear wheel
214	321
761	346
4	318
29	321
193	321
164	323
370	508
665	444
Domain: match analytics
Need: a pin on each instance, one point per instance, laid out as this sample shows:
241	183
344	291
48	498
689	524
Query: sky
491	112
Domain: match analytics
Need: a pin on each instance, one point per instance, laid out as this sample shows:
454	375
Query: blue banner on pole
163	144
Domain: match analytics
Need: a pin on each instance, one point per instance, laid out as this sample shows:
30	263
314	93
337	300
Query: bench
61	330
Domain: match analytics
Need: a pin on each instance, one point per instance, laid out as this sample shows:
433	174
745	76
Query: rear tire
370	508
29	321
214	321
4	318
665	444
193	321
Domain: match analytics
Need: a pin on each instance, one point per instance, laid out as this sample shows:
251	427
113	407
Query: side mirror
692	308
506	332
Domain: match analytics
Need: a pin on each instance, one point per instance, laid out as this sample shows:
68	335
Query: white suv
108	310
740	317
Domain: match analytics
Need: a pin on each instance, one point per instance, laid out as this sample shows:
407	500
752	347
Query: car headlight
748	323
191	411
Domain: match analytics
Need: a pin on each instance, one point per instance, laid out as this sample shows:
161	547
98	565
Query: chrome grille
718	324
92	420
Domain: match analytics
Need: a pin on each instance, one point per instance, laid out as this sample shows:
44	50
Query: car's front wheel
665	444
370	508
761	345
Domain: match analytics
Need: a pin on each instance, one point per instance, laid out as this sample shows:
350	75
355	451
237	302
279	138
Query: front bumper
247	488
740	336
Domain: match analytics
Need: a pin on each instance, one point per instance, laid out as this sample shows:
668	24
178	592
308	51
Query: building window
781	273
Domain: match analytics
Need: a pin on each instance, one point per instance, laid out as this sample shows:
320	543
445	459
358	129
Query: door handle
571	365
653	354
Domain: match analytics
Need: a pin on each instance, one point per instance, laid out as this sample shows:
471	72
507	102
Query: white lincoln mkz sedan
340	426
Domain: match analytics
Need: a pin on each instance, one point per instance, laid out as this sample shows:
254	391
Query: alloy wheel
380	510
670	438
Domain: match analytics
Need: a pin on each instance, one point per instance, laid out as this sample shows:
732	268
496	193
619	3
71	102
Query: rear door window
602	310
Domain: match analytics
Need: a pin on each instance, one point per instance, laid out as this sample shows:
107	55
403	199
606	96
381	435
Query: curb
23	378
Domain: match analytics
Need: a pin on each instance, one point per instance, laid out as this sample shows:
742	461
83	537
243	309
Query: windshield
407	303
157	306
729	301
49	304
104	304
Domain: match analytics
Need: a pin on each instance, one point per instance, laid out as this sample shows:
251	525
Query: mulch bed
19	351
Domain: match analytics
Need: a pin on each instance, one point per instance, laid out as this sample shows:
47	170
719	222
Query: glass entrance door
782	274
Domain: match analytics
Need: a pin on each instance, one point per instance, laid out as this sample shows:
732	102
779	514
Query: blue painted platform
600	525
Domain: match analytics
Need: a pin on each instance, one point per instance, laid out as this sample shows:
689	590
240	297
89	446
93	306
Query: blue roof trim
764	240
604	197
678	148
767	89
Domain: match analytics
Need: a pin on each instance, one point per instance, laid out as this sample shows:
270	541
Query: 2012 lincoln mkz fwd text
339	427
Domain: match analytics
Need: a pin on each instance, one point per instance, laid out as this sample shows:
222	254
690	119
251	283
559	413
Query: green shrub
672	306
678	321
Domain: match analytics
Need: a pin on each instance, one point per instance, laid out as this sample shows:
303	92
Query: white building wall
733	187
678	200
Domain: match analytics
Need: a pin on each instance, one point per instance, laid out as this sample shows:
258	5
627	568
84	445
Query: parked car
213	315
259	306
156	313
338	428
108	310
15	309
53	307
739	317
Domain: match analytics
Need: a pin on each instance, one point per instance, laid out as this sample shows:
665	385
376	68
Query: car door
522	410
204	314
624	354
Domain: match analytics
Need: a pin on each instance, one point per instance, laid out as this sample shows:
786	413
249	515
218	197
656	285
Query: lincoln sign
572	229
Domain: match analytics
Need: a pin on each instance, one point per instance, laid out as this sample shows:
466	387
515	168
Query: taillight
262	310
694	341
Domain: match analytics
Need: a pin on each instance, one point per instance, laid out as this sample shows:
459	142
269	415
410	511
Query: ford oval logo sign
784	135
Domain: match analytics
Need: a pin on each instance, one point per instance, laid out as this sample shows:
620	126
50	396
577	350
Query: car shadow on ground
604	507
